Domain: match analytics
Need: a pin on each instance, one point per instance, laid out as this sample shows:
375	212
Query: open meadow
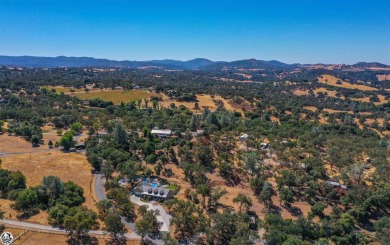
35	165
204	101
331	80
384	77
115	96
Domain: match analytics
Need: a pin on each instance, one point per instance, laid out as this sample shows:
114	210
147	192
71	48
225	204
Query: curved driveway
101	194
50	229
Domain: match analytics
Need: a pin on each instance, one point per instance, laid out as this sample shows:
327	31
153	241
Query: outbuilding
162	133
340	189
243	137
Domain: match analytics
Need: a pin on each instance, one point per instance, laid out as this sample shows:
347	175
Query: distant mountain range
198	63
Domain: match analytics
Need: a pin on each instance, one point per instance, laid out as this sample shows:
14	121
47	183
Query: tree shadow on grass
27	215
294	211
85	239
275	209
120	240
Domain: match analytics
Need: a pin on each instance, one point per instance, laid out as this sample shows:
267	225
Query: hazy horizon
306	32
190	59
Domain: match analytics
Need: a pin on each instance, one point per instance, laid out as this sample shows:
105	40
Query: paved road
100	194
50	229
99	187
163	216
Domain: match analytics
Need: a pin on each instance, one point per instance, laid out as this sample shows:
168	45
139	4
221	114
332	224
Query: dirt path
3	154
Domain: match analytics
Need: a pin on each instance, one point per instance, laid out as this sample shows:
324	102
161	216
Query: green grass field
60	89
115	96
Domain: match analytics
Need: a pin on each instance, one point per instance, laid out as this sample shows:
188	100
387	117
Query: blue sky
326	31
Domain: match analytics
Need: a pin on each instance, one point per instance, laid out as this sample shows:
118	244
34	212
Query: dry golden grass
15	232
384	77
204	101
310	108
313	108
302	116
35	238
300	92
364	99
232	192
207	102
49	133
331	80
331	111
323	120
115	96
14	144
68	166
382	100
275	119
330	93
223	79
10	213
247	76
369	121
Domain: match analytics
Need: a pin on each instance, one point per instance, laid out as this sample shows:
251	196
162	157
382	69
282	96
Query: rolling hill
198	63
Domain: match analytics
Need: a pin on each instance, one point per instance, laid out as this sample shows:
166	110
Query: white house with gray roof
162	133
154	192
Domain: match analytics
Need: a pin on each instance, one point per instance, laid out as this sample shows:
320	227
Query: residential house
340	189
159	193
